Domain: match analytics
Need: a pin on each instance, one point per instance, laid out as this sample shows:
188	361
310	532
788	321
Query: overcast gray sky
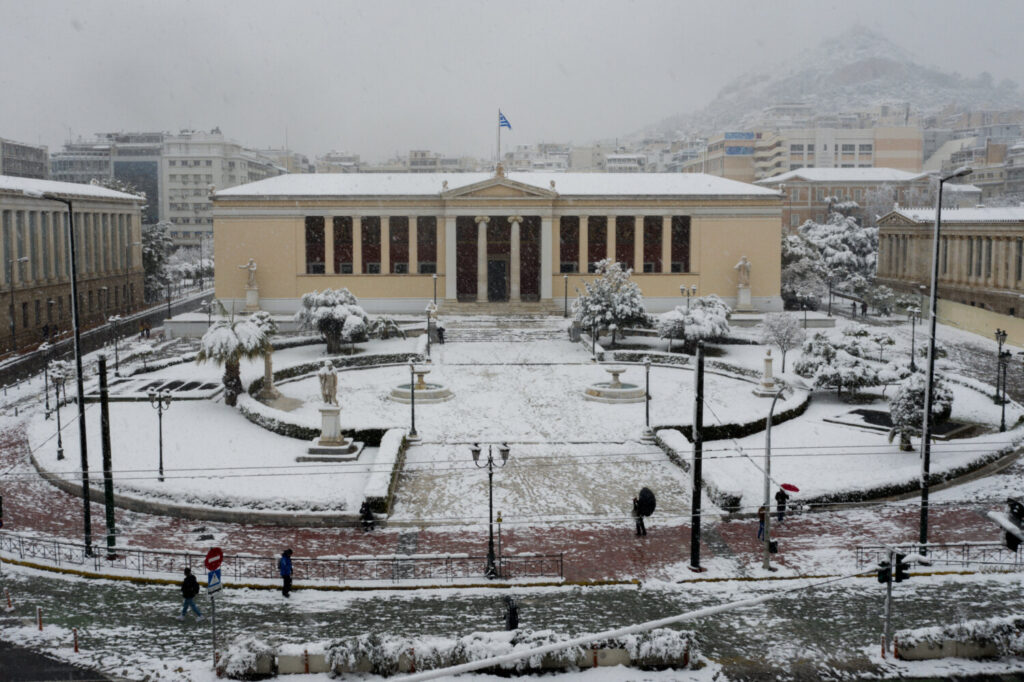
379	78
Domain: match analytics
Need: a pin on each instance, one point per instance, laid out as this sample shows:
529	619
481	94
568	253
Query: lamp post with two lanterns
503	452
688	294
161	402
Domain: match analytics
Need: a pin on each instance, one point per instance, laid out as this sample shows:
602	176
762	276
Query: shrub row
380	488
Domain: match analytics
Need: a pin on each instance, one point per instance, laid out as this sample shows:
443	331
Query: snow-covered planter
657	648
286	424
657	358
967	639
247	658
380	488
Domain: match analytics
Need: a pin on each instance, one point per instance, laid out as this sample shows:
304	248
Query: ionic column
414	253
357	244
666	244
610	237
481	257
546	251
638	243
450	259
514	221
584	244
329	245
385	245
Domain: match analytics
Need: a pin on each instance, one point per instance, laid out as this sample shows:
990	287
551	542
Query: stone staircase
549	307
515	328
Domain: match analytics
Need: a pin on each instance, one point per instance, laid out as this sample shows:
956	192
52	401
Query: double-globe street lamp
503	451
76	325
57	378
688	294
929	397
1004	361
1000	339
161	402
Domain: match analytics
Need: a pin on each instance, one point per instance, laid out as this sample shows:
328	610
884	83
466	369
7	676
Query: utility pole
698	448
108	477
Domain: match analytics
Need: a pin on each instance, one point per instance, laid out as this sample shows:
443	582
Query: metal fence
240	567
963	555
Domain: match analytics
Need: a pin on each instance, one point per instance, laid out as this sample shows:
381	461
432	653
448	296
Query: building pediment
896	219
499	187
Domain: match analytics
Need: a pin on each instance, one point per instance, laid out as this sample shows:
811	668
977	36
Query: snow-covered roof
953	187
432	184
843	175
10	183
1006	214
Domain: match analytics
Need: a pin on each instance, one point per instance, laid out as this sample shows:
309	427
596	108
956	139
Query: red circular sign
213	559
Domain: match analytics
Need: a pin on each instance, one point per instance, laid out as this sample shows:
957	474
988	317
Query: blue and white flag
502	121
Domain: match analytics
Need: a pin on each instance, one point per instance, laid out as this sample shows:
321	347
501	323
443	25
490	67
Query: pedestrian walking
762	511
142	329
146	327
641	529
511	613
284	567
366	516
780	503
189	590
440	334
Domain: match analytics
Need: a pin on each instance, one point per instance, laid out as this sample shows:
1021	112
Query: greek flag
502	121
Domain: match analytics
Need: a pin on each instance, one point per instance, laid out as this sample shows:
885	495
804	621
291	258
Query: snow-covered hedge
246	658
657	357
350	361
293	426
380	488
1006	633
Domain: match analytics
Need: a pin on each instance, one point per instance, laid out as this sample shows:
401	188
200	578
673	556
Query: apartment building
24	160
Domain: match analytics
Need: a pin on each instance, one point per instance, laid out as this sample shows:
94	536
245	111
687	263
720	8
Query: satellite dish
646	502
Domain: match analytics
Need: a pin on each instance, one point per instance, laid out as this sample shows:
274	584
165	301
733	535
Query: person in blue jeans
284	567
189	590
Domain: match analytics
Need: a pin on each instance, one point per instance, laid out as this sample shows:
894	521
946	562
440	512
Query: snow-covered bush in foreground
1007	633
240	660
336	314
706	317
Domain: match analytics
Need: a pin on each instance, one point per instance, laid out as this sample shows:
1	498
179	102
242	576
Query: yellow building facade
523	241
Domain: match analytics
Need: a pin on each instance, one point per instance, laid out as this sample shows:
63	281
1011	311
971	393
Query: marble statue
743	271
251	267
328	383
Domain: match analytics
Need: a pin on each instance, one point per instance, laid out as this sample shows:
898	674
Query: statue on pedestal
743	272
328	383
251	267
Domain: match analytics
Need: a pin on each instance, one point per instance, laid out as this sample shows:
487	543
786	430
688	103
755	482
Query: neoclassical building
483	241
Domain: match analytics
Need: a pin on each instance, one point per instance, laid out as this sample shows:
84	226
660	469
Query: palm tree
265	321
226	343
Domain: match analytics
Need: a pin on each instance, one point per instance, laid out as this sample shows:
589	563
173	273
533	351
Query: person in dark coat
284	567
780	503
440	334
640	528
366	516
511	613
762	511
189	590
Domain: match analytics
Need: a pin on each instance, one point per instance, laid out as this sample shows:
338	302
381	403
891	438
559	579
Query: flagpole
499	142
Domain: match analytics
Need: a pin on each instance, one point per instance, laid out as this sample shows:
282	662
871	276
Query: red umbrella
790	487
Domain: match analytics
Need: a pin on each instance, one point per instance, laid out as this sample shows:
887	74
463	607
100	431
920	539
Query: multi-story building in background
24	160
338	162
291	162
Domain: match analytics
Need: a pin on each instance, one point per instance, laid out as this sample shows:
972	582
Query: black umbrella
645	502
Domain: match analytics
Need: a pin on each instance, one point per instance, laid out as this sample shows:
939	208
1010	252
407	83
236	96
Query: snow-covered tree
611	298
706	318
336	314
265	322
671	326
881	298
782	330
906	409
856	341
883	341
828	365
156	250
804	280
227	342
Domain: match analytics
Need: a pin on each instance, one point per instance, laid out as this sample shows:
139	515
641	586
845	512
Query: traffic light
901	568
884	572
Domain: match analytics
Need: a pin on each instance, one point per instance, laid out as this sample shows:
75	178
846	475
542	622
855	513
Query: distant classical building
35	251
24	160
981	255
493	241
810	191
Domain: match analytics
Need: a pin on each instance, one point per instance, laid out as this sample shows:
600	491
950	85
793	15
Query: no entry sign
213	559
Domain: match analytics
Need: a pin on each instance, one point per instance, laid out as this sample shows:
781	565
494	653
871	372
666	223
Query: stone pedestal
768	386
743	299
331	446
252	299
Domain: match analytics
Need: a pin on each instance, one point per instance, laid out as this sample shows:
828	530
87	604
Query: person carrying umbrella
640	528
781	498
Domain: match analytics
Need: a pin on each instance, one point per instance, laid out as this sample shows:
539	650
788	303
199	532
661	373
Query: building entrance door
497	280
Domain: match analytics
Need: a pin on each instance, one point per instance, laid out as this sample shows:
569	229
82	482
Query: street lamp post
45	349
79	380
115	322
1004	361
687	294
427	311
58	379
648	433
161	402
1000	339
767	482
565	279
926	420
413	436
503	451
168	299
804	306
10	279
912	313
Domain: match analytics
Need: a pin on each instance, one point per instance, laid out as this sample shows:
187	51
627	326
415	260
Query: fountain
425	392
614	391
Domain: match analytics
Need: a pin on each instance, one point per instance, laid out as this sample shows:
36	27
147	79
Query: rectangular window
624	241
569	243
652	243
866	148
19	231
6	226
426	244
680	247
371	245
597	241
856	195
970	258
849	148
794	220
44	233
988	256
105	250
314	245
810	148
398	237
796	149
342	244
33	244
820	194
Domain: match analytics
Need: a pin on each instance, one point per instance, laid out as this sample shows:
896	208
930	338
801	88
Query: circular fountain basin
614	391
425	393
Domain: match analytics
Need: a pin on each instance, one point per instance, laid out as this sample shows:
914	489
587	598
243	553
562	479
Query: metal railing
241	567
963	554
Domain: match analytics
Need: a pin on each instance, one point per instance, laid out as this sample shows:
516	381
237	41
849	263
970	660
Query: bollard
75	630
412	659
883	646
39	617
305	660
